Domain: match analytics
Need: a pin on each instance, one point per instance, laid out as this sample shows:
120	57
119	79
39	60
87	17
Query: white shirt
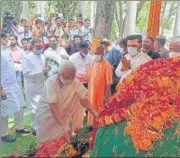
56	53
33	64
85	33
73	33
19	34
80	63
136	61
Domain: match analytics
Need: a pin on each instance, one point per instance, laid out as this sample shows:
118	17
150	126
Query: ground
23	141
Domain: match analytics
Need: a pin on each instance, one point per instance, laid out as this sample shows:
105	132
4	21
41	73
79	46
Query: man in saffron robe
99	76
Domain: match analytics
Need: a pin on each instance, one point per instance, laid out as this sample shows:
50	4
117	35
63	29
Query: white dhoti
47	127
12	105
33	90
14	100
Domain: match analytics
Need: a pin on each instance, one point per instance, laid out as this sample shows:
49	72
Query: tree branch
139	7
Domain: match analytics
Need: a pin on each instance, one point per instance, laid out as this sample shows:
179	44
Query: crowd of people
50	67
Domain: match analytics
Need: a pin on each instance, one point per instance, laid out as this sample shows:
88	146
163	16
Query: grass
23	141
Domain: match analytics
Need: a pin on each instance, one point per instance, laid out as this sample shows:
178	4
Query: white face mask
97	57
132	51
84	55
174	54
66	81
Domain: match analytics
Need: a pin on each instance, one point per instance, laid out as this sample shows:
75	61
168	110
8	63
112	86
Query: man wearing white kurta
62	102
33	70
55	51
14	102
81	59
137	57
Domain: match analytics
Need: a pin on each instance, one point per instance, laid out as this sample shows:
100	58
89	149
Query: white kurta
67	97
15	98
33	79
80	63
136	61
56	53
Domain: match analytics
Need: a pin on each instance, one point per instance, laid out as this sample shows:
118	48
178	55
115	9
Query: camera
8	19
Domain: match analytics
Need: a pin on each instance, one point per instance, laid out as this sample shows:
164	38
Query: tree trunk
92	14
177	21
130	23
139	7
25	10
123	27
162	17
81	8
117	17
104	18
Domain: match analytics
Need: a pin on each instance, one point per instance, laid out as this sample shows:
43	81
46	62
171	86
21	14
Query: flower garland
49	149
154	18
149	99
61	147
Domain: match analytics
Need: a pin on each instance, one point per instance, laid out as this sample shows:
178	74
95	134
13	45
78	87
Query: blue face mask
38	52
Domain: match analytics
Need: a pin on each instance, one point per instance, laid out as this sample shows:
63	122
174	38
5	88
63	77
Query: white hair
66	64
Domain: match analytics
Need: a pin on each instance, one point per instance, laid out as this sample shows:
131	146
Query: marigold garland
149	99
154	18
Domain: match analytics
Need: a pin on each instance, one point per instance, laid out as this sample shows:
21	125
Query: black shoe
34	132
23	131
8	139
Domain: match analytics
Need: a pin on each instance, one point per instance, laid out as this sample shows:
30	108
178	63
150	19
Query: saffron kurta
99	76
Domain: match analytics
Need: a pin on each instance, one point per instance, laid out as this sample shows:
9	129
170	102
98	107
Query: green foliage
167	15
32	6
67	8
23	141
87	9
114	30
142	19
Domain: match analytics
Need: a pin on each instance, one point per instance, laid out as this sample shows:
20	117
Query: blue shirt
113	57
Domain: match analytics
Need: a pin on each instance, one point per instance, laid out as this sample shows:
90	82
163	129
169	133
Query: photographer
21	31
7	19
